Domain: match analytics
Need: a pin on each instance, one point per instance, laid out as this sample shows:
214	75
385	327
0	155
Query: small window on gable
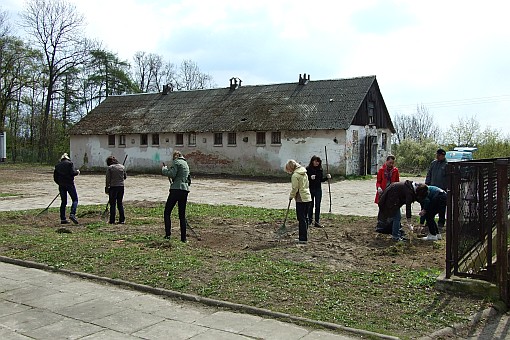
371	109
111	140
232	138
143	139
276	137
179	139
384	140
155	139
261	138
122	140
192	138
218	138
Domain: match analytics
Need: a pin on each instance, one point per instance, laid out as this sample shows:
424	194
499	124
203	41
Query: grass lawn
344	275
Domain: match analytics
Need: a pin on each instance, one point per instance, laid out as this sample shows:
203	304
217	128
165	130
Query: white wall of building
243	158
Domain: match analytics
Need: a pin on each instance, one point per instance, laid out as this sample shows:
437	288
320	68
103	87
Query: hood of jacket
300	171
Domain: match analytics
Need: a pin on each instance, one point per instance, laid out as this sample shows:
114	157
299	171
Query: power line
455	102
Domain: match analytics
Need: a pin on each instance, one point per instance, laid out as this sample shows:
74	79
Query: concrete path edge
196	298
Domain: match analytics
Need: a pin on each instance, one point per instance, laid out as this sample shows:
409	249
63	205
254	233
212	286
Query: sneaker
167	237
301	241
122	222
398	239
439	237
64	222
430	237
73	218
317	225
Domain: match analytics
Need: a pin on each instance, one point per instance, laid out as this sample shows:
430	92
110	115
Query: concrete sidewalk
38	304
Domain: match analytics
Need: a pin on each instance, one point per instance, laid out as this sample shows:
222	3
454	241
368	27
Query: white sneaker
430	237
439	237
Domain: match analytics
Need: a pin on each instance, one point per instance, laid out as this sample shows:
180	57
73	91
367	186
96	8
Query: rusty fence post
502	229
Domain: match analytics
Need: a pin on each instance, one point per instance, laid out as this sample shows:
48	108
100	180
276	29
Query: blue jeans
115	197
181	198
316	202
301	212
396	233
64	190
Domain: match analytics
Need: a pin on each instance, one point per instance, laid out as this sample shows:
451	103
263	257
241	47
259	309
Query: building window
122	140
179	139
371	108
218	138
111	140
384	140
261	138
232	138
192	138
143	139
276	137
155	139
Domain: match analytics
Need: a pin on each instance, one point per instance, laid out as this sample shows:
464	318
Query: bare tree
191	78
466	132
148	71
56	28
418	126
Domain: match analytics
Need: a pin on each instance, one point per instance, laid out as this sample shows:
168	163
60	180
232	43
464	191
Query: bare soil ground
346	242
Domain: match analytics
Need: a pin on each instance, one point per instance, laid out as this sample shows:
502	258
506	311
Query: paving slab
48	305
229	321
171	329
73	329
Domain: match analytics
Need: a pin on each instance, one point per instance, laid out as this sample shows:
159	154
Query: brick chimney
233	83
303	80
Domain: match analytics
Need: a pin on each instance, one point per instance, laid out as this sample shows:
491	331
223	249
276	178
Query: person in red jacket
386	175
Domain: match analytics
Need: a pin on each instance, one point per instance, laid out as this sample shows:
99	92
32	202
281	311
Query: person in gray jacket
436	176
179	176
115	176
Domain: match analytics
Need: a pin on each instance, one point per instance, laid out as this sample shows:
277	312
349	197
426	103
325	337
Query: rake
282	230
46	209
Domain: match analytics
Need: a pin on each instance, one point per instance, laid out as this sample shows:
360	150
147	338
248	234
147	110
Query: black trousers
179	197
115	197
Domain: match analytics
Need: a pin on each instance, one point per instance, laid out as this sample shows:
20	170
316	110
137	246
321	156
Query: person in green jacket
301	193
180	180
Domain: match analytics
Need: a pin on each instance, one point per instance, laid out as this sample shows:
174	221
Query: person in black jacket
115	176
394	197
63	175
315	178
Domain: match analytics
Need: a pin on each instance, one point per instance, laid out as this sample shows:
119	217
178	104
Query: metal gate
477	221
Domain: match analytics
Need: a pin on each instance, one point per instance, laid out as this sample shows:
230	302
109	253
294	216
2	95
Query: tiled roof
317	105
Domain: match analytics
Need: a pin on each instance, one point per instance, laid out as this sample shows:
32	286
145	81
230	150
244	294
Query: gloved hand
312	176
164	167
328	176
410	224
380	190
78	171
106	190
422	212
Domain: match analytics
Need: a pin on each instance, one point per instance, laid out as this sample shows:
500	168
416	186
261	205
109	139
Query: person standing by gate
180	180
115	176
63	175
436	176
315	179
434	203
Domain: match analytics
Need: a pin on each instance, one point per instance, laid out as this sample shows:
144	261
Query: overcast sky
451	56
